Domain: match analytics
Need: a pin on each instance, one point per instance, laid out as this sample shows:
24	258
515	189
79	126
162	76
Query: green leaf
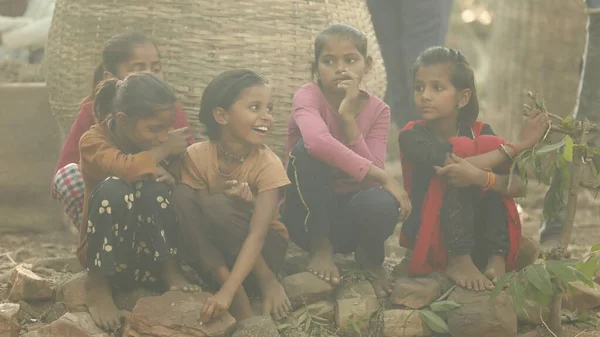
588	267
442	306
536	296
537	275
568	150
517	293
595	248
283	326
561	271
568	122
501	283
434	322
551	147
583	278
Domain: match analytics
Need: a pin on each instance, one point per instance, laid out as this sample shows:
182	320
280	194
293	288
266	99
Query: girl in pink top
341	199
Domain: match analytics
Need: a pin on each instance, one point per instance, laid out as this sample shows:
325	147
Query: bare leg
321	260
100	302
462	270
174	278
275	302
381	281
495	268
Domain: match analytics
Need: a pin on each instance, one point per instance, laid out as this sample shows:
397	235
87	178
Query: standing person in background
585	107
405	28
24	37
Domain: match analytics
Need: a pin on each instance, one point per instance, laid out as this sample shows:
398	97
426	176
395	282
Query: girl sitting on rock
464	218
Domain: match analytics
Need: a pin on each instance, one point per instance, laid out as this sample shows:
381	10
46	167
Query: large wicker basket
198	40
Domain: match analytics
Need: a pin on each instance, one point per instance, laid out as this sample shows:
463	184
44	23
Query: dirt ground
31	247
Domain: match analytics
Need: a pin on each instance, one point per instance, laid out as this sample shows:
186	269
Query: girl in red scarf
464	219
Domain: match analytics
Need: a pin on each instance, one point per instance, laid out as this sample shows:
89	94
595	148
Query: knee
301	160
112	192
151	190
377	203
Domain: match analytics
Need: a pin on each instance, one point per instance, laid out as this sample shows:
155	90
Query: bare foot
495	268
321	261
174	278
100	303
275	302
379	276
461	270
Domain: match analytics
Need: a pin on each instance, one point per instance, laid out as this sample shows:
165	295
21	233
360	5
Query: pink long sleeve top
316	122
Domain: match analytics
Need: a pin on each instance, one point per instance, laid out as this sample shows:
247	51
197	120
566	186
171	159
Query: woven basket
199	39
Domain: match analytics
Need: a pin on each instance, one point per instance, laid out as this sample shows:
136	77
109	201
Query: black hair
117	49
141	95
341	31
222	92
461	77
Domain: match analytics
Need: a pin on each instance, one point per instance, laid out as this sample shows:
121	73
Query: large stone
72	292
582	297
533	313
59	264
9	325
175	314
404	323
259	326
28	286
323	309
72	325
478	315
419	292
305	288
528	252
355	303
126	300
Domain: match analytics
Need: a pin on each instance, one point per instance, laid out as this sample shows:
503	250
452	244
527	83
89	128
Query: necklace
241	159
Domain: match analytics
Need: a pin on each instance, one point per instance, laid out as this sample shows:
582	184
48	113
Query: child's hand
165	177
239	191
534	128
400	194
462	173
350	102
178	140
215	306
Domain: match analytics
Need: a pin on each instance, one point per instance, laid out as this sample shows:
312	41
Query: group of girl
144	196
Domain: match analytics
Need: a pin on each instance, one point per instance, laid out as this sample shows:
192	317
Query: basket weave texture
199	39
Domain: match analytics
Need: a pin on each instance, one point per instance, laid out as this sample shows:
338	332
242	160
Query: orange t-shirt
262	170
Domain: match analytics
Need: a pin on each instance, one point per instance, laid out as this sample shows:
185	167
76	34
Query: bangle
491	179
514	147
503	149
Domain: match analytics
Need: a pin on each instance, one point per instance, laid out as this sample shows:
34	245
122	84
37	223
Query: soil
31	247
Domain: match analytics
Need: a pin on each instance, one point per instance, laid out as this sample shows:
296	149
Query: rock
582	297
4	291
27	313
9	325
323	309
28	286
54	313
529	334
531	314
404	323
72	292
78	324
126	300
259	326
355	303
528	252
419	292
478	315
175	314
59	264
305	288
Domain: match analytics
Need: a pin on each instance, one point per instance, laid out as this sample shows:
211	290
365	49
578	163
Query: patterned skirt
129	231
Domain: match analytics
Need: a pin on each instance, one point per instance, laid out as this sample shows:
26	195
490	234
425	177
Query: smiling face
337	55
249	119
434	94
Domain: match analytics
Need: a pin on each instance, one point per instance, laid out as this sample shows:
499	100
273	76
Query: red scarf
429	252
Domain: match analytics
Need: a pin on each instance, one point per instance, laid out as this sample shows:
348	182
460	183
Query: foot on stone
379	277
275	302
100	303
495	268
461	270
321	262
175	280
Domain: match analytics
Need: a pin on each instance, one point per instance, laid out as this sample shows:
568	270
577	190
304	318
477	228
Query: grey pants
405	28
586	107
